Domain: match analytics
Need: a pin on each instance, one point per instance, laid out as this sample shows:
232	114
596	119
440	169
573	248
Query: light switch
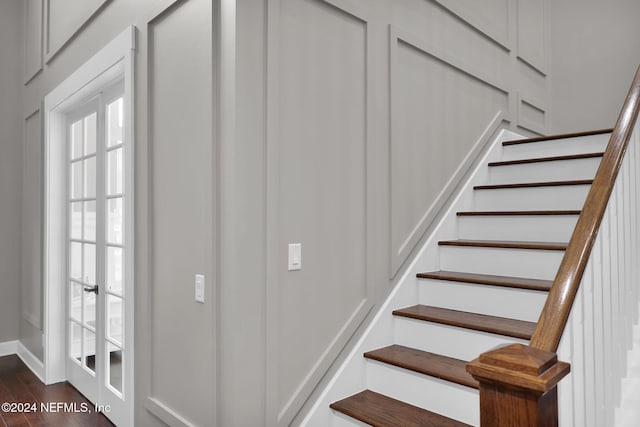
295	256
200	288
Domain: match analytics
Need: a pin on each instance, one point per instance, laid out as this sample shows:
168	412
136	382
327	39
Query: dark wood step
379	410
559	136
489	279
463	319
534	184
506	244
518	213
434	365
547	159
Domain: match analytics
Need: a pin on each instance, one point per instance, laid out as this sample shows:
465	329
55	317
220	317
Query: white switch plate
200	288
295	256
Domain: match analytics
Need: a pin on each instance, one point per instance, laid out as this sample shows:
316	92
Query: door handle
93	289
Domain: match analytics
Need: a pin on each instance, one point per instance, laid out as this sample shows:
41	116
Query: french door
98	207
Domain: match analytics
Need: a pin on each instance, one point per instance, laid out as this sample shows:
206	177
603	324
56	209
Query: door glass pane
75	223
75	301
76	139
89	263
114	226
90	132
90	221
76	180
89	349
89	308
90	178
114	318
114	369
114	269
75	341
75	260
114	174
115	121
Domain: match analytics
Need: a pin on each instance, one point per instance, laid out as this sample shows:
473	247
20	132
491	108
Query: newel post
518	386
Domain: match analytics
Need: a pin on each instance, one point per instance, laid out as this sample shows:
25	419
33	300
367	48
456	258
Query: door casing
113	62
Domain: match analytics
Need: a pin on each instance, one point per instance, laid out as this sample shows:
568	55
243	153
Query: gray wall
175	336
596	51
10	172
353	122
343	125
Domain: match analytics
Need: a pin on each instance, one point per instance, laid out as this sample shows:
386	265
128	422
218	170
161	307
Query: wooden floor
18	385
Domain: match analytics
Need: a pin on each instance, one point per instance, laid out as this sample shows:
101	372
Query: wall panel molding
533	34
532	115
31	260
480	24
166	414
403	246
282	409
34	19
74	14
180	100
297	399
454	61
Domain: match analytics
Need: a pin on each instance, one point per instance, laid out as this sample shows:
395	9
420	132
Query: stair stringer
350	377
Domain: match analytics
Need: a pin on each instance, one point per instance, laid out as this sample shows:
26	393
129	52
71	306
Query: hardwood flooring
18	386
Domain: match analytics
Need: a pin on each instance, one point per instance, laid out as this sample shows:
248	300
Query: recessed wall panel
31	259
531	34
33	38
65	18
491	17
322	164
454	28
438	112
181	213
532	116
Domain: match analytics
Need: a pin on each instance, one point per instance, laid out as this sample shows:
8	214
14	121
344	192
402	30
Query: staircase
480	282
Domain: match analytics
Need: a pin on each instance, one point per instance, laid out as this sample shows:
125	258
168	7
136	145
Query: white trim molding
8	348
166	414
29	359
111	63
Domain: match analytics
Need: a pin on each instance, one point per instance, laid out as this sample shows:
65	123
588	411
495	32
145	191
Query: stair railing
518	382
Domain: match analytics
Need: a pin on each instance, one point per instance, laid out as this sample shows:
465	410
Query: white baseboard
32	362
8	347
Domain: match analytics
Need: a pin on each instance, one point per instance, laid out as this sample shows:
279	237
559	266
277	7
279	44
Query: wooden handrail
565	286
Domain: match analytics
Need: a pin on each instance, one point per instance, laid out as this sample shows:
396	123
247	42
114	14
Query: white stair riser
445	398
339	419
465	344
559	170
499	301
552	228
536	264
560	147
566	197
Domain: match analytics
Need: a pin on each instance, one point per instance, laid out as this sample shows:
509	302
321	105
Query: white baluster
577	362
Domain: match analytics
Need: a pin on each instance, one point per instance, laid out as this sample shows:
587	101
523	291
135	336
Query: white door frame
113	61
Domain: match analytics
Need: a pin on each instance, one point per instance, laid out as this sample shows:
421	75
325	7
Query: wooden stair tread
507	244
463	319
424	362
379	410
489	279
516	213
559	136
534	184
547	159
